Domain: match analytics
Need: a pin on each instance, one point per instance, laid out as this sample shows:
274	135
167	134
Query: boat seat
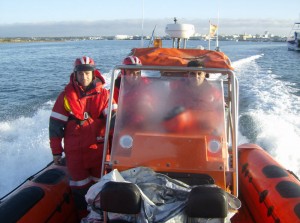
207	202
120	197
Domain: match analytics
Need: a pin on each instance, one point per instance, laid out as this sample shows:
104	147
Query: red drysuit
79	117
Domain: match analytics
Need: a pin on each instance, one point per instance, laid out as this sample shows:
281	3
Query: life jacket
137	104
74	94
117	87
88	109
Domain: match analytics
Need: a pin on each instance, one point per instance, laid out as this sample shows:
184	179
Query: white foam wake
273	110
239	63
24	148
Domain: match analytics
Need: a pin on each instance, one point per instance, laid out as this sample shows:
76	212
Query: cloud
134	27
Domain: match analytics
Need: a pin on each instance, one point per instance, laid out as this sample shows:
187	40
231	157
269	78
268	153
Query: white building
120	37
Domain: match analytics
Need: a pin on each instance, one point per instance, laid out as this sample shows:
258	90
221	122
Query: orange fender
269	191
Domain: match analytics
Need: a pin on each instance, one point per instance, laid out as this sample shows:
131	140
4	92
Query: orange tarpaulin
180	57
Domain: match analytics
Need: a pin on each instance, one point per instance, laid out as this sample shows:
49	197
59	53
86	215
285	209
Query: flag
212	30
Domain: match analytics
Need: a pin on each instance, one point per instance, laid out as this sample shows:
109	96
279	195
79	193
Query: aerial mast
142	37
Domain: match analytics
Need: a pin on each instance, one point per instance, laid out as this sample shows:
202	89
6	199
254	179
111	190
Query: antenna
217	33
209	35
142	38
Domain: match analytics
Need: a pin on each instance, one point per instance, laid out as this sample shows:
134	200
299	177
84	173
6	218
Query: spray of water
269	113
24	148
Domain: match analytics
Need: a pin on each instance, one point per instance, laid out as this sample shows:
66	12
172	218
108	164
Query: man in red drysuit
78	119
197	107
133	61
137	101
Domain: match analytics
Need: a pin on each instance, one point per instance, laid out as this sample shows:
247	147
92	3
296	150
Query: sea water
33	74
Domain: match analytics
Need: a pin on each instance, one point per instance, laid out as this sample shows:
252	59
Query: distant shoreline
25	40
4	42
64	39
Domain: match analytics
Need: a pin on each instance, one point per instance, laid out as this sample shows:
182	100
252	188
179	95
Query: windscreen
160	119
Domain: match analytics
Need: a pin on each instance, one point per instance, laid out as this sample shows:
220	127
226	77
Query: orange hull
268	191
45	197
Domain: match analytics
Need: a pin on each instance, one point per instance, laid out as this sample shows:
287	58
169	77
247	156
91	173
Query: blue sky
111	15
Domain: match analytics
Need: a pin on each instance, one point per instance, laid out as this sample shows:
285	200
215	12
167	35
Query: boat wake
24	148
240	63
268	112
